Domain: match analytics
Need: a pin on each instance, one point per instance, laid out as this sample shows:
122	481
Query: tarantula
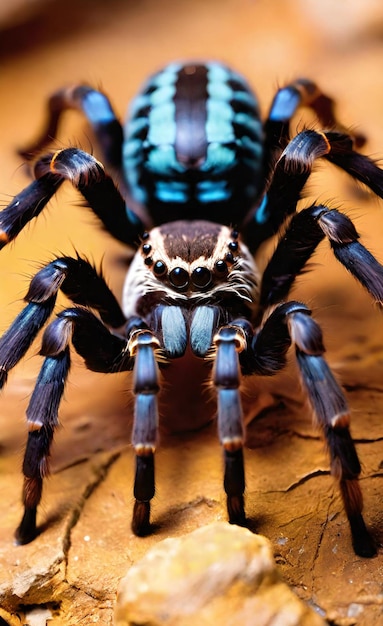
213	182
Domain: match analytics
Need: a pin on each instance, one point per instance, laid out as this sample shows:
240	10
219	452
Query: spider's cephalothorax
191	264
215	181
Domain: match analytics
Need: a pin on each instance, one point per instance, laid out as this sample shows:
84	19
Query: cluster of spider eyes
201	277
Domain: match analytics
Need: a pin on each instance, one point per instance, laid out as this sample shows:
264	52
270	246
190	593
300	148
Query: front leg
229	341
143	345
112	353
239	351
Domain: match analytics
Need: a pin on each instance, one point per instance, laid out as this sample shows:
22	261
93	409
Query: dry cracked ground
70	573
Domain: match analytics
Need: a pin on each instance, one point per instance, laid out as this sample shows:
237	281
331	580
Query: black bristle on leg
27	530
234	484
236	510
144	481
341	446
141	519
144	489
346	467
362	542
32	490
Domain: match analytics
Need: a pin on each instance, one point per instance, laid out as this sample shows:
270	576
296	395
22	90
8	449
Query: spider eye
179	278
146	248
159	269
221	268
201	277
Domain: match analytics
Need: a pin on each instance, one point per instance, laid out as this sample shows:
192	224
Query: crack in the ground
305	516
100	473
350	388
305	435
366	440
301	481
93	595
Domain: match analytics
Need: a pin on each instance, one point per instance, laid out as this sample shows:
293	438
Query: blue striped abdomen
193	146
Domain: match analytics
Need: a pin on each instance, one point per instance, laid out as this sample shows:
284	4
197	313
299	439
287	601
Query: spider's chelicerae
213	183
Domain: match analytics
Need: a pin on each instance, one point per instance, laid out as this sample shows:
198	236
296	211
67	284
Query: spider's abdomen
193	147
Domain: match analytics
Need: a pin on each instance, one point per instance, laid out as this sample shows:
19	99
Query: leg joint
72	164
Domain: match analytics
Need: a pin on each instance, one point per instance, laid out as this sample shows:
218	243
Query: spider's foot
141	518
27	530
362	542
236	510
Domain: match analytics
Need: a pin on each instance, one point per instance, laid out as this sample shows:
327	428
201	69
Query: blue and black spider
213	183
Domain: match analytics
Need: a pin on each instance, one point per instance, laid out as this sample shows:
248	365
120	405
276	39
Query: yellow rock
218	574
